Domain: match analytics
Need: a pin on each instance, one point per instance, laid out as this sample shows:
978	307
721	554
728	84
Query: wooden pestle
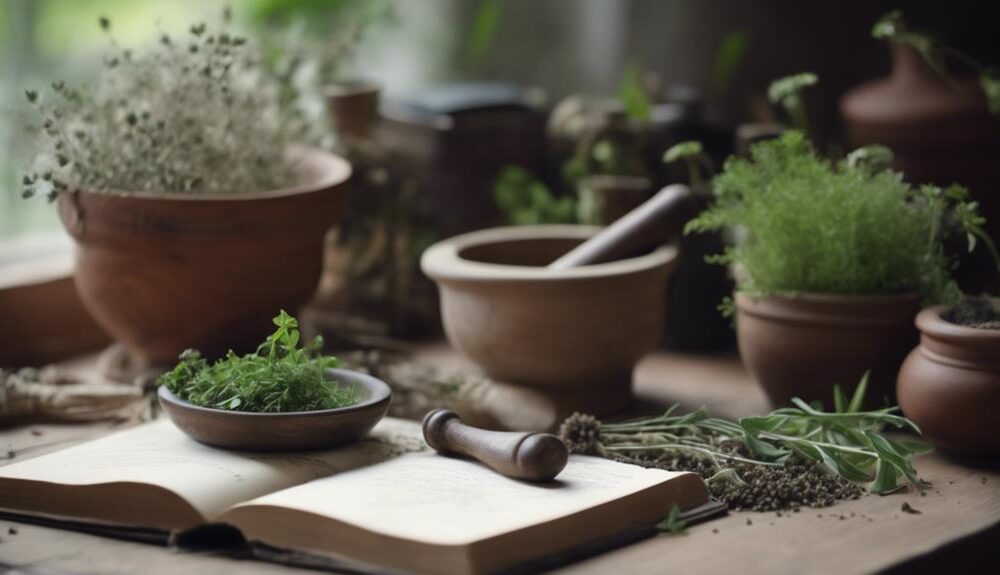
654	222
517	454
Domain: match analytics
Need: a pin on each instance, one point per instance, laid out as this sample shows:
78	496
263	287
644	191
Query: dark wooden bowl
288	431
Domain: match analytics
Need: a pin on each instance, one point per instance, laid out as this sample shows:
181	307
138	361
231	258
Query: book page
446	501
210	479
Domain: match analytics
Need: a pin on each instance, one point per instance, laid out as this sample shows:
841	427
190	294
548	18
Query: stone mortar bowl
573	334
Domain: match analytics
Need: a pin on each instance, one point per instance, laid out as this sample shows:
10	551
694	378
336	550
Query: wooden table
959	523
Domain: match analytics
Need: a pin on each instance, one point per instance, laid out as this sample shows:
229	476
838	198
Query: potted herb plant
194	211
836	259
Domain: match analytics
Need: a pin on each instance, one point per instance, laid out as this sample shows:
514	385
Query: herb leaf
279	377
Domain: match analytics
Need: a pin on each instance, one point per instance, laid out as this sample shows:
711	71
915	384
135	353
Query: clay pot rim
335	171
828	308
931	322
441	261
380	392
351	87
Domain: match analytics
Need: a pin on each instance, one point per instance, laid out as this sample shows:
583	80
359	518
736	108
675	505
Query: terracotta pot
165	272
574	335
802	345
352	108
950	384
604	198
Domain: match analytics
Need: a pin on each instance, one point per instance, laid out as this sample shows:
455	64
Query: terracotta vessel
287	431
802	345
553	341
352	108
950	384
166	272
604	198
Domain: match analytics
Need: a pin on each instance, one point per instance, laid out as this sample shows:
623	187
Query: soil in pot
977	312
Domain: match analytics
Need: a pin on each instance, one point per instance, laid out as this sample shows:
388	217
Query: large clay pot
950	384
573	336
802	345
166	272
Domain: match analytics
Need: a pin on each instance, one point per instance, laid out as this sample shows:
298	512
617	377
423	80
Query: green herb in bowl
279	377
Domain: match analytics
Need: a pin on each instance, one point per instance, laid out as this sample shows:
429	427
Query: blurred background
720	54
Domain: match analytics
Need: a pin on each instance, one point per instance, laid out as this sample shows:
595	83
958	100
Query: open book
385	500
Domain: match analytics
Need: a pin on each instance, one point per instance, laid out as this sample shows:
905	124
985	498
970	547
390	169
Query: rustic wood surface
958	524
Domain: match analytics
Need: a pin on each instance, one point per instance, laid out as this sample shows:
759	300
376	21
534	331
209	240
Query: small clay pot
802	345
950	384
165	272
574	334
605	198
352	108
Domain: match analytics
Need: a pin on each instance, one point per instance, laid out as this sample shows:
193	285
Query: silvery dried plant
198	113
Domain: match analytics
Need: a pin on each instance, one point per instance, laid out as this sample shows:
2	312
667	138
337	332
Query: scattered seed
907	508
11	531
749	521
716	531
36	432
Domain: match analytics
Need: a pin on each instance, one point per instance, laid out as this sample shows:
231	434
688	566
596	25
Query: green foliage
673	524
851	228
848	441
696	160
633	96
526	200
484	29
787	92
279	377
728	56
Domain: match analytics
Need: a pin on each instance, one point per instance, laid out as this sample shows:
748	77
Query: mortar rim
441	261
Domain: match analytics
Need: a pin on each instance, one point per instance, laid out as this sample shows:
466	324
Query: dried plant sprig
847	441
192	114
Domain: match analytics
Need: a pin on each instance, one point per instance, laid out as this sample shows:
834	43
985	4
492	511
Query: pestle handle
517	454
654	222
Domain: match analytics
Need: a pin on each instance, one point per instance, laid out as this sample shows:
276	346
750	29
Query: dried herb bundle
279	377
197	113
847	441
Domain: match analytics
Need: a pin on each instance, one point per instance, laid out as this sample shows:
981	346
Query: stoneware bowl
950	384
288	431
802	345
574	335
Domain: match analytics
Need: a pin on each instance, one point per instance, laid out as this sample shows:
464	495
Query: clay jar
166	272
950	384
572	335
802	345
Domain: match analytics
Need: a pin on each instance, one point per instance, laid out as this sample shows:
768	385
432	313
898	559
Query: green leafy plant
787	92
849	228
193	114
892	27
525	200
697	162
279	377
729	55
632	94
847	441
